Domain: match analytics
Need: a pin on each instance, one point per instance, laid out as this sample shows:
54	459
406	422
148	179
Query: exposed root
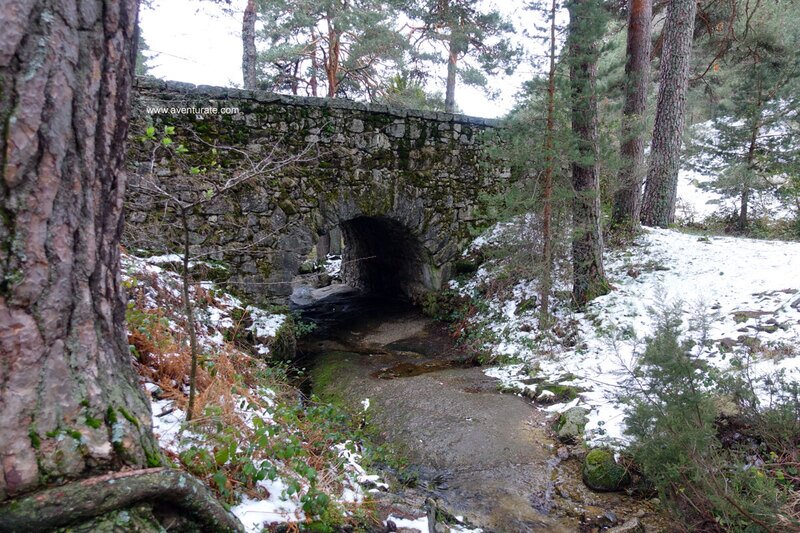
82	500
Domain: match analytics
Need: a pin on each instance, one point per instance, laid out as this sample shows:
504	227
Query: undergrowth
717	469
253	426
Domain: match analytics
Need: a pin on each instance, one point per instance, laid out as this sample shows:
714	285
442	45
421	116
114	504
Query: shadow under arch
382	256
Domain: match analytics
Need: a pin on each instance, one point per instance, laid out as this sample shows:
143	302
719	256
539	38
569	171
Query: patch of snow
166	258
333	265
421	525
255	514
265	326
743	287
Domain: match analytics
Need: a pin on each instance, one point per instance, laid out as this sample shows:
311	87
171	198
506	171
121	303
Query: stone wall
404	186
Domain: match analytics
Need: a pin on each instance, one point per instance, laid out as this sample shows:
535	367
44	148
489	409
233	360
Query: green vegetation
731	468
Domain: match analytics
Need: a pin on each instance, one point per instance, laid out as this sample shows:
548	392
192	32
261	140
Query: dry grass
789	517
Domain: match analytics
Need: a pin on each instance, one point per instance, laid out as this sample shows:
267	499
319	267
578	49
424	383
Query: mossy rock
553	393
308	267
602	473
571	424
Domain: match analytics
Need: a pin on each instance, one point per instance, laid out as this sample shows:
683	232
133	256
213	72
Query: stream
481	455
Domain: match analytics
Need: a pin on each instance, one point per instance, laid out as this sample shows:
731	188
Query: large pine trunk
249	53
585	31
70	404
661	187
628	197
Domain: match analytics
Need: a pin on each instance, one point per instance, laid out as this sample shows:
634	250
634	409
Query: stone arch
419	177
393	244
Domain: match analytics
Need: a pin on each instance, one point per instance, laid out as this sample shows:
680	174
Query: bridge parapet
419	175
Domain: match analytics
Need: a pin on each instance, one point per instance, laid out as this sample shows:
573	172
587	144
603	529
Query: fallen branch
83	500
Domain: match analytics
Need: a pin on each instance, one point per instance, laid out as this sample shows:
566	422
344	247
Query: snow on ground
746	290
695	204
213	318
254	513
333	265
421	525
219	313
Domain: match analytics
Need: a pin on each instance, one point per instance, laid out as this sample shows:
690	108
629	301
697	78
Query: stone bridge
404	187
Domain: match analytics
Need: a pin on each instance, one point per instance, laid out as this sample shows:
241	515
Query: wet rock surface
489	457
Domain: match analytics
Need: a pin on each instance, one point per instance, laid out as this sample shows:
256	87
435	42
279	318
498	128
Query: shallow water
486	456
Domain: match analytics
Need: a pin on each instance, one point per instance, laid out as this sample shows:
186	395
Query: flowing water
486	456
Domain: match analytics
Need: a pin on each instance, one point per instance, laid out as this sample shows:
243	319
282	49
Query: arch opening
383	257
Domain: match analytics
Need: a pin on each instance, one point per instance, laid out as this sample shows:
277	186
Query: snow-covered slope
746	291
245	406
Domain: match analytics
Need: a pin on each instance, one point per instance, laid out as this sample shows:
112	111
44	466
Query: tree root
82	500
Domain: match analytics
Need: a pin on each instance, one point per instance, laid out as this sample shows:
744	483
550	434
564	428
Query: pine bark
547	198
70	404
589	279
452	69
628	198
661	187
249	53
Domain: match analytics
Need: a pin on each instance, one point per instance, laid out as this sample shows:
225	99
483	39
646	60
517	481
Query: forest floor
739	300
266	453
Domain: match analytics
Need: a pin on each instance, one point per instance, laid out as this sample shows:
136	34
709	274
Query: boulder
602	473
571	424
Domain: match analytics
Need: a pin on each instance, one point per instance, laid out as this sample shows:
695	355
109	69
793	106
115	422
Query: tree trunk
70	403
744	199
661	188
332	65
188	310
452	69
547	212
585	31
249	53
628	198
314	66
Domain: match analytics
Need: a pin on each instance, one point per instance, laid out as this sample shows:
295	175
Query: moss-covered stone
602	473
571	425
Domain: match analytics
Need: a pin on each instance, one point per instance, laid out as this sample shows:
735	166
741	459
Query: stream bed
479	454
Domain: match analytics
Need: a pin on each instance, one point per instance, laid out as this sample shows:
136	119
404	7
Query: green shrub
445	305
674	418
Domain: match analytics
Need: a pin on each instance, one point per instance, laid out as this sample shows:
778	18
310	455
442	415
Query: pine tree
658	206
353	46
586	28
475	41
628	198
755	83
66	362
